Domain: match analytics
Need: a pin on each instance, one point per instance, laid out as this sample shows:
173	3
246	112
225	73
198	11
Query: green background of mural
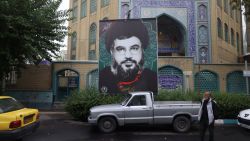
150	53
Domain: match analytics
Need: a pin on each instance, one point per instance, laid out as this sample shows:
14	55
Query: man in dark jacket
126	41
207	115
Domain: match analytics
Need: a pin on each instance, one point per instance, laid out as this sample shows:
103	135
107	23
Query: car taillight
38	116
15	124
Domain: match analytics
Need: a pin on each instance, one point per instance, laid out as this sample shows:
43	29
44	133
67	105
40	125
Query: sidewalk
47	115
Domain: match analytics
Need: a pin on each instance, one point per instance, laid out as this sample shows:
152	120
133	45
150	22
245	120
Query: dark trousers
203	127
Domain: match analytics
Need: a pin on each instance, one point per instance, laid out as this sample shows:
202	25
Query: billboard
128	56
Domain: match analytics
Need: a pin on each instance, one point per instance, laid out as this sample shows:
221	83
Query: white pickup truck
140	108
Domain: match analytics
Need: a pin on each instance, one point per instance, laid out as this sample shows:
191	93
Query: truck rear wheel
181	124
107	124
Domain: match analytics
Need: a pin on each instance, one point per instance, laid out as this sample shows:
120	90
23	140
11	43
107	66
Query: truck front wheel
107	124
181	124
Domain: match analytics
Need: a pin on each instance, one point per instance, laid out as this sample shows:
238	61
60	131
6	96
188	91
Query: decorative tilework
189	4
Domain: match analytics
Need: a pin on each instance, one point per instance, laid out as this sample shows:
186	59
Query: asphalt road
60	127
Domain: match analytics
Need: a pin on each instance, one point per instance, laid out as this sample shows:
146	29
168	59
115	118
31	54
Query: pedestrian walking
207	114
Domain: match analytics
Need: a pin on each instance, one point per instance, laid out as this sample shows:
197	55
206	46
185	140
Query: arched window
92	42
93	6
219	3
124	11
232	11
232	37
237	40
73	46
105	18
83	8
202	14
237	15
206	81
104	3
236	82
219	28
74	11
226	32
203	55
203	34
226	6
93	79
170	77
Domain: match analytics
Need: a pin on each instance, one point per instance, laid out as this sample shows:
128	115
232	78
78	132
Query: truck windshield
9	104
126	99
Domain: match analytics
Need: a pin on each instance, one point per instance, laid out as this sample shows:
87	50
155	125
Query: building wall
33	78
219	51
82	26
222	51
33	88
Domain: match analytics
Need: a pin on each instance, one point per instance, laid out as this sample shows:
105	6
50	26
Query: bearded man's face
127	57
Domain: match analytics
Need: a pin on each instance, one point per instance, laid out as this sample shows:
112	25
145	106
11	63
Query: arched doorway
171	37
67	81
206	81
170	78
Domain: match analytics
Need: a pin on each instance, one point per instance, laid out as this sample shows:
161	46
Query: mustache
128	59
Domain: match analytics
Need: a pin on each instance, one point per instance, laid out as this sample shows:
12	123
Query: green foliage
79	103
30	31
229	104
164	95
237	4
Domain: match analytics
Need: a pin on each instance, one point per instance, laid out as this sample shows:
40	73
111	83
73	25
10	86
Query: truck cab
139	108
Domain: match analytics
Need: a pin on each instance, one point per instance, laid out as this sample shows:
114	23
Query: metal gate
67	82
206	81
236	82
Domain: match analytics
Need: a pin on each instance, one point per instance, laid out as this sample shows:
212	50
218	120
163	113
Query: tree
238	3
30	31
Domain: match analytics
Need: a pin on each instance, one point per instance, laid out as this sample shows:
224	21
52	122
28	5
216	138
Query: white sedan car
244	118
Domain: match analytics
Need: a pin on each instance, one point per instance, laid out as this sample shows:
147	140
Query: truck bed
175	103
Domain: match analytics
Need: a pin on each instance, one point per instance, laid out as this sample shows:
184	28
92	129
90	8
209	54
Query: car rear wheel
107	124
181	124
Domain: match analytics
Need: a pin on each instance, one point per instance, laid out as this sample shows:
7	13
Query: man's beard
129	74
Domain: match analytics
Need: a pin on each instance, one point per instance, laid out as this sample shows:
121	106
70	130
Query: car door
137	111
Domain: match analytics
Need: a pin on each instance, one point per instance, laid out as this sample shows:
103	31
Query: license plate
28	119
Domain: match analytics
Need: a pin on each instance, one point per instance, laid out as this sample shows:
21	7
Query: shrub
230	104
178	95
79	103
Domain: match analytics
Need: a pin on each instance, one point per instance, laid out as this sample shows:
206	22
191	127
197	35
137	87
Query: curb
226	122
52	113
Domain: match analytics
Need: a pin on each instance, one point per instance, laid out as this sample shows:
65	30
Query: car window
138	101
126	99
9	104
